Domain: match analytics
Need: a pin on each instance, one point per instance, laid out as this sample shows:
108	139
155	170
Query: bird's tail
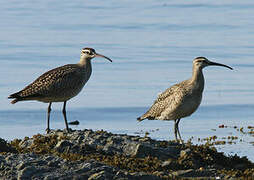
16	97
141	118
147	115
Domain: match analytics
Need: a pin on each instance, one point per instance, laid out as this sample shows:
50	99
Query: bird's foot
180	141
68	130
47	130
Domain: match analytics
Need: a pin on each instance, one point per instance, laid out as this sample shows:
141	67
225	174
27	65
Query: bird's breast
190	105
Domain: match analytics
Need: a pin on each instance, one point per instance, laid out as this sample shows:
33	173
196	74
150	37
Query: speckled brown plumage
59	84
170	104
182	99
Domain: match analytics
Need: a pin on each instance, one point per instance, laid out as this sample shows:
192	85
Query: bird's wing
44	84
170	98
168	92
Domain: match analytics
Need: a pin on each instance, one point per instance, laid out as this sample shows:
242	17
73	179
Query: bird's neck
84	61
198	79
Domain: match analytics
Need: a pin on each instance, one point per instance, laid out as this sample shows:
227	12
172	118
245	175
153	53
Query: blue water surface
152	44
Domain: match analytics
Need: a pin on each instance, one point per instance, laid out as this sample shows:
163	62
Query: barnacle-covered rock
87	154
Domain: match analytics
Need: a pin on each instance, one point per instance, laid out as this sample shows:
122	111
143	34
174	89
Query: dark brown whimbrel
183	99
59	84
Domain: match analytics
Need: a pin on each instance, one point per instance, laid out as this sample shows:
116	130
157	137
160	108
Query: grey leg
177	129
49	110
65	119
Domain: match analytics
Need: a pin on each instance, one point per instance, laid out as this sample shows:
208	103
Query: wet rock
26	143
84	154
101	176
166	163
53	164
26	173
185	153
83	168
183	173
143	150
10	157
5	147
63	146
144	176
21	166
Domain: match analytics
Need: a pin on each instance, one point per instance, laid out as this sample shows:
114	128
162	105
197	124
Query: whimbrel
182	99
59	84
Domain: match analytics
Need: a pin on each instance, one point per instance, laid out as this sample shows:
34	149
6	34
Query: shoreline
88	154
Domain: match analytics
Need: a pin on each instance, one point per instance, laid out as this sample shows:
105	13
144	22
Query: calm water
152	44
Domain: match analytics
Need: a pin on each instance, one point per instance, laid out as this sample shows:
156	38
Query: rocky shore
87	154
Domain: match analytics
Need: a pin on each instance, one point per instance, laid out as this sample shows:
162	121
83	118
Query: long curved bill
218	64
99	55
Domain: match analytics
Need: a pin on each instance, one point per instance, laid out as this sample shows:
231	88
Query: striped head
202	62
89	53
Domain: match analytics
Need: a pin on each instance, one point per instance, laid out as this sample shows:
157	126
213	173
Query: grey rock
144	176
183	173
185	153
100	176
166	163
26	143
63	146
86	142
26	173
10	157
21	166
4	147
49	177
53	164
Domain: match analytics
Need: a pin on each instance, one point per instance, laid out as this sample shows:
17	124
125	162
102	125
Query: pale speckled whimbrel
182	99
59	84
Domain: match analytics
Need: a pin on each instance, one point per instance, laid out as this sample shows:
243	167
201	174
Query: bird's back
58	84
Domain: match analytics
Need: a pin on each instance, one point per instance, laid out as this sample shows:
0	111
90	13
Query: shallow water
152	44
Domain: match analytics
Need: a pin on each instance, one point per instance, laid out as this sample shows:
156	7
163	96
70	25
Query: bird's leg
175	128
65	119
49	110
177	122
